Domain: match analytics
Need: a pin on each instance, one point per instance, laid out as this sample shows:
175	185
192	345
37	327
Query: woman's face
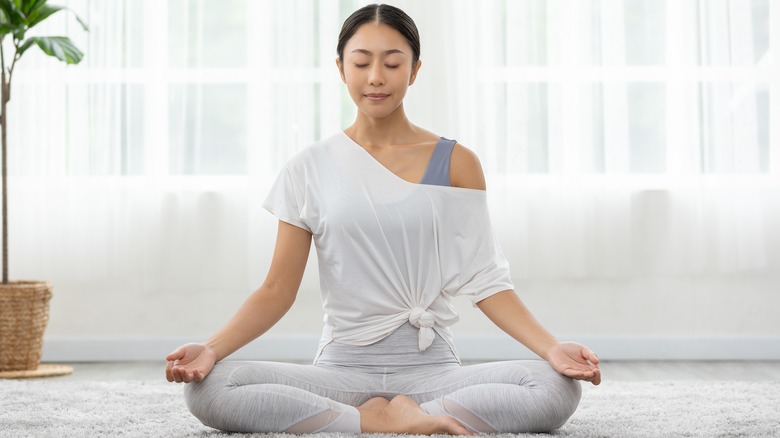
377	69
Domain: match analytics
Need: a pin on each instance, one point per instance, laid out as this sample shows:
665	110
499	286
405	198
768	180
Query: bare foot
404	415
374	404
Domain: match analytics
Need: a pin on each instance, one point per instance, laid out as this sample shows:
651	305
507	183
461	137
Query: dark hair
385	14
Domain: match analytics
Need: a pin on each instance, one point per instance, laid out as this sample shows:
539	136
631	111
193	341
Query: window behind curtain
196	87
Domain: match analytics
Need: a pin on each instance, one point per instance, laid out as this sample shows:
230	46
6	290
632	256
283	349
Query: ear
415	70
340	66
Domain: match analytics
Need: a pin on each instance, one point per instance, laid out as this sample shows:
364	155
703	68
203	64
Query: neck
395	128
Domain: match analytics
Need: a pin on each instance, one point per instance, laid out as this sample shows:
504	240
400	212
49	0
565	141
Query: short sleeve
471	260
286	199
479	281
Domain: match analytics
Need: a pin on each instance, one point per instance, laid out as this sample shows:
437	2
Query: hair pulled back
384	14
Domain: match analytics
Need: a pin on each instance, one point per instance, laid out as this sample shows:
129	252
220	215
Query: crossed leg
515	396
518	396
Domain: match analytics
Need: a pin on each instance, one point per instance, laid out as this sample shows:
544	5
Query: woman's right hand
190	362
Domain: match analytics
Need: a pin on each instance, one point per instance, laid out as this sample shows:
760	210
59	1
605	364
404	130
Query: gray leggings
512	397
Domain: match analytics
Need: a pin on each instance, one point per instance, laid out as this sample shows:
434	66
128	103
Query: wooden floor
618	370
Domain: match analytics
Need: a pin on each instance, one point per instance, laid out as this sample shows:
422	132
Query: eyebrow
386	52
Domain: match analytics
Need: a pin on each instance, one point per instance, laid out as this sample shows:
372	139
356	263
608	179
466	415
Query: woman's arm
505	308
509	313
264	308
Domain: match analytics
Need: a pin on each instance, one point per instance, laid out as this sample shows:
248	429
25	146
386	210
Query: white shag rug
50	408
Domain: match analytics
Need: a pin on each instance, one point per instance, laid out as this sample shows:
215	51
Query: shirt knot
425	321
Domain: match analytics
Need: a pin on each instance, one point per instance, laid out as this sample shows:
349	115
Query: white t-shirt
389	250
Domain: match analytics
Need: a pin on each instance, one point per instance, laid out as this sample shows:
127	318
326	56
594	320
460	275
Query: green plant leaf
30	5
11	13
59	47
43	12
6	28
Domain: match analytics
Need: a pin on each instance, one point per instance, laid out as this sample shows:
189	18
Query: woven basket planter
24	313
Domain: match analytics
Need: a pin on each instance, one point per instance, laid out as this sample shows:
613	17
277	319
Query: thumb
176	354
589	355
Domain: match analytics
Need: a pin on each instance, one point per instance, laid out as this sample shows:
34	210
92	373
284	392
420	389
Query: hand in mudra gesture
576	361
190	362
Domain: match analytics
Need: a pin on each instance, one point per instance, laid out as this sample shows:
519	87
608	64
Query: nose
375	76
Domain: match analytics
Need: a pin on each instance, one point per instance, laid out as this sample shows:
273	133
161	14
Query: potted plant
24	305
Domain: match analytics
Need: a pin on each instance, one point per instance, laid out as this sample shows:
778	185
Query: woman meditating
400	221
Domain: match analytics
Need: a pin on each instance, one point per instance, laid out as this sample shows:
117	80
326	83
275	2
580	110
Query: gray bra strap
438	171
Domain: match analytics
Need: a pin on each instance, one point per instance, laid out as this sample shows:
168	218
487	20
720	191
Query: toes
453	427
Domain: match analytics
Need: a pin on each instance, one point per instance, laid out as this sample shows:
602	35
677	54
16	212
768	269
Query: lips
376	96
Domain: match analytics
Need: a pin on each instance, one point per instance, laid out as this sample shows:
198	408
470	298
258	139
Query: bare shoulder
466	169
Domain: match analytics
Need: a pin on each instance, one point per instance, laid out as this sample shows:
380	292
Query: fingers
176	373
589	355
594	360
168	371
180	374
173	372
593	376
597	379
575	374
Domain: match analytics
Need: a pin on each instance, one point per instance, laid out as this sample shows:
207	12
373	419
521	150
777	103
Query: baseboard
471	348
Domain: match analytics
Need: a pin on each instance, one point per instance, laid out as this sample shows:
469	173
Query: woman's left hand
576	361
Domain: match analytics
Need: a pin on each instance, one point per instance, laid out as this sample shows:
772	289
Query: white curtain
620	139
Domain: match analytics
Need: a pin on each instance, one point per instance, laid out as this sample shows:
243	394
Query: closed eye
366	65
